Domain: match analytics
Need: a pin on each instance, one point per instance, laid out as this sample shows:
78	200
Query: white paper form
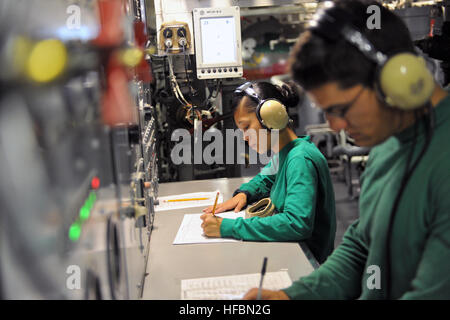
231	287
191	230
164	204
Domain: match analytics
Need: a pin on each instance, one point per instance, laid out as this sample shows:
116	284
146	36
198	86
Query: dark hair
288	94
315	61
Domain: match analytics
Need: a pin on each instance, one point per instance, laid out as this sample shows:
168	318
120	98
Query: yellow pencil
215	203
192	199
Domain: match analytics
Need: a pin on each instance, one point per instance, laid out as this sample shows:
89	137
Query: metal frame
214	70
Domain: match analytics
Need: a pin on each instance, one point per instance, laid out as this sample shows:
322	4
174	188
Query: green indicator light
84	213
75	231
91	200
87	205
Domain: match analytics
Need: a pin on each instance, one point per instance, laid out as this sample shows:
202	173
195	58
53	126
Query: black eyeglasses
340	110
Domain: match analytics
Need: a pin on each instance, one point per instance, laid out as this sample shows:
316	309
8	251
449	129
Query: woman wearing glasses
296	180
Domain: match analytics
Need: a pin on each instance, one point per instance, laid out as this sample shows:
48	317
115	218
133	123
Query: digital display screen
218	40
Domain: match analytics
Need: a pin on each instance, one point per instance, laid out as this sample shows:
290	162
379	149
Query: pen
215	203
192	199
263	272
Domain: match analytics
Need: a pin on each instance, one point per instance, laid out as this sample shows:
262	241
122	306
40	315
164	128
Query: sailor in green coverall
297	180
399	248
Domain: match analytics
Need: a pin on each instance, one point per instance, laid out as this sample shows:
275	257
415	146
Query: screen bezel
200	13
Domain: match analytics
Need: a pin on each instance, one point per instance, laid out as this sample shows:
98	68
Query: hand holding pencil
211	223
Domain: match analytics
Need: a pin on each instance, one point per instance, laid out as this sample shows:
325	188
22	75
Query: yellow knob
47	60
151	50
131	57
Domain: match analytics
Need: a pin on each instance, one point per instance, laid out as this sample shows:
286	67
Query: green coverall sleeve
296	222
339	277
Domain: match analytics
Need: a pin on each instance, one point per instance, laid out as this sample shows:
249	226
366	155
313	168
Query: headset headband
247	89
336	22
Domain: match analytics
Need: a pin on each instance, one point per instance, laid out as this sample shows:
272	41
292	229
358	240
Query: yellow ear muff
406	82
47	60
274	115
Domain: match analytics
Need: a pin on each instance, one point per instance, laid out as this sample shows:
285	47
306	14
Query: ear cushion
262	208
405	81
272	114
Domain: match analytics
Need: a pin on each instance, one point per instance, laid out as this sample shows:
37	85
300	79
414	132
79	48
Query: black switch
133	134
181	32
167	33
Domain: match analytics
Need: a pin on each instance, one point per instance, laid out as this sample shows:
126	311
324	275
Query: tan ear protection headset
402	80
271	113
